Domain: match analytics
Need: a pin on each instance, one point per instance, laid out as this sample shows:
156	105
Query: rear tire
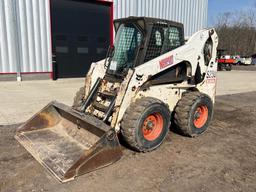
220	67
145	124
193	113
229	67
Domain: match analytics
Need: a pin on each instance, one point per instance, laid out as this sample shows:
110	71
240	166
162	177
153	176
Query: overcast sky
217	7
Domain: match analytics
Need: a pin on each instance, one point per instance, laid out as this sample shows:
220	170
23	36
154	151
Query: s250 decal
211	77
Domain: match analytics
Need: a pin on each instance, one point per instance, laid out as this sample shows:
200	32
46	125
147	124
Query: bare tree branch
237	32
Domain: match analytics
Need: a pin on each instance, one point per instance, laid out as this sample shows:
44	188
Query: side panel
191	52
208	86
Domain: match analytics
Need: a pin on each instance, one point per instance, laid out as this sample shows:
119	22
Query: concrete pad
232	82
2	118
20	100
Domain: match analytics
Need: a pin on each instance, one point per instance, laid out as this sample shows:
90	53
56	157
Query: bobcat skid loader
150	78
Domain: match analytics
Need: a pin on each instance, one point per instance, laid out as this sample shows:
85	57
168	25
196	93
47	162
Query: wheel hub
200	116
197	115
152	126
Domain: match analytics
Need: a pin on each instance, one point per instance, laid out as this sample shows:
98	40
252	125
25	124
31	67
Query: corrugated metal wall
8	38
192	13
25	36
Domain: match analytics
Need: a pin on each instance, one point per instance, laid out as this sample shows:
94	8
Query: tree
237	32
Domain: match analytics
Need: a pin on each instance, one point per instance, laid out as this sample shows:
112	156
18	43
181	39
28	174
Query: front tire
145	124
79	98
193	113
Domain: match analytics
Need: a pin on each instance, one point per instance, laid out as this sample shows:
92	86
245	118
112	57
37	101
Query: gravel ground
222	159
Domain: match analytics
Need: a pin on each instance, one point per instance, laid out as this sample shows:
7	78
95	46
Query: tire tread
130	119
182	111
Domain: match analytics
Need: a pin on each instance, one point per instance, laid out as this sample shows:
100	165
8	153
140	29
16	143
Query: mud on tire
193	113
145	124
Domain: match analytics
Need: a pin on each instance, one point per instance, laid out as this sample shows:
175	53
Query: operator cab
141	39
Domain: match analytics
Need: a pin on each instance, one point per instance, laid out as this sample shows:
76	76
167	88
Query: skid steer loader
150	78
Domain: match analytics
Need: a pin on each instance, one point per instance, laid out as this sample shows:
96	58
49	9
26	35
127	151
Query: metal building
25	37
37	37
192	13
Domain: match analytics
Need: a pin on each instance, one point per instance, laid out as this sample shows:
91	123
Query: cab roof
144	22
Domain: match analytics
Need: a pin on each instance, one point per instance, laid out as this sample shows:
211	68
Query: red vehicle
225	62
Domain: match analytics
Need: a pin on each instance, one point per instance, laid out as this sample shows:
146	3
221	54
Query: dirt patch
244	67
222	159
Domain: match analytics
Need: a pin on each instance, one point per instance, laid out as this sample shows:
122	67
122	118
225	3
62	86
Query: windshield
127	41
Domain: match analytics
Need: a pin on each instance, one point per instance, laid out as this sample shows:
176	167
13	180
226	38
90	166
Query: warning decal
166	62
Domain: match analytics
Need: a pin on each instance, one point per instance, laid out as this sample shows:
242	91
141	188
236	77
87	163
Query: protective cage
68	144
156	37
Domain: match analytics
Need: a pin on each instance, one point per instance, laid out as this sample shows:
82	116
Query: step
100	107
106	94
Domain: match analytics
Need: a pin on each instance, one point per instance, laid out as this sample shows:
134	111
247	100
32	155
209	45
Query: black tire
220	67
78	99
186	113
134	123
229	67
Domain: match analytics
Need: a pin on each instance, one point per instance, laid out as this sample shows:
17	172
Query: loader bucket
67	143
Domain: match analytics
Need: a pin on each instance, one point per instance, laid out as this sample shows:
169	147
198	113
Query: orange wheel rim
152	126
200	116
